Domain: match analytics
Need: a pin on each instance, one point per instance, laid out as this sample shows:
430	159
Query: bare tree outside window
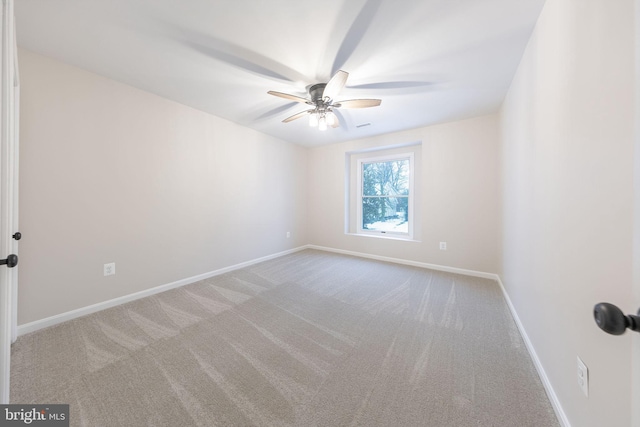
385	196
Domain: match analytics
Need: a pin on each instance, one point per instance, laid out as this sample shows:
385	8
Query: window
385	193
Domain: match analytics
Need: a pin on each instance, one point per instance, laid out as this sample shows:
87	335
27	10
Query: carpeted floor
308	339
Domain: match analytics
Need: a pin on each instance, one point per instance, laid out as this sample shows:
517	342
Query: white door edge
8	191
635	368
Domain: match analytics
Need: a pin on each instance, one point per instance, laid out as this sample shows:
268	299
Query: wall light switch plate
443	246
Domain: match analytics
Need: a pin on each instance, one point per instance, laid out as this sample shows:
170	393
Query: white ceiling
430	61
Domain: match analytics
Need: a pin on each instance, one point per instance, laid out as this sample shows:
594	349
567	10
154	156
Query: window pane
385	214
386	178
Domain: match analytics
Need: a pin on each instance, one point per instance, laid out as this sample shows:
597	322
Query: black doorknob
613	321
11	261
17	235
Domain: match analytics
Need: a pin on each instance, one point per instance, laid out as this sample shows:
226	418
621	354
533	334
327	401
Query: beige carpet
308	339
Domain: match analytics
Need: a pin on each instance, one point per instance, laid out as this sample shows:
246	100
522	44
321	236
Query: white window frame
359	188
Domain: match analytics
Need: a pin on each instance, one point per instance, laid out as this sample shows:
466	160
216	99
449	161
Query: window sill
376	236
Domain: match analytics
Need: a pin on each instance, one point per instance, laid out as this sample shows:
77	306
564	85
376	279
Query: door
635	369
9	94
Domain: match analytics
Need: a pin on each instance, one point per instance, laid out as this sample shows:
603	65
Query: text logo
34	415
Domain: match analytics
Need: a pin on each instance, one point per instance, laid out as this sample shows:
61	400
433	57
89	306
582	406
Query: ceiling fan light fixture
331	118
313	120
322	123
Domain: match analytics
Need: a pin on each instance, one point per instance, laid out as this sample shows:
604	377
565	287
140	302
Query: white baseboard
73	314
411	263
553	398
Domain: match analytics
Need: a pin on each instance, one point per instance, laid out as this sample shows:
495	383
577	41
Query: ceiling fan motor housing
316	91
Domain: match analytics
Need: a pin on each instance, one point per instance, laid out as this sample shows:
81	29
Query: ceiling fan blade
276	111
400	87
394	85
332	120
342	120
296	116
291	97
358	103
359	28
335	85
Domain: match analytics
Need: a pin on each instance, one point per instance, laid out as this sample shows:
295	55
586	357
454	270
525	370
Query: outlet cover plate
583	377
110	269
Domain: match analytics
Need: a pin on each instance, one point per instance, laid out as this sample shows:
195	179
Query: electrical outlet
110	269
288	234
443	246
583	377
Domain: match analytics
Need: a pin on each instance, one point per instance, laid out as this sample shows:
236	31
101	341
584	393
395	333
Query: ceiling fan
322	99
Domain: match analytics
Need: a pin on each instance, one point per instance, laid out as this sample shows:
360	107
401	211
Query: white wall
567	160
458	194
109	173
